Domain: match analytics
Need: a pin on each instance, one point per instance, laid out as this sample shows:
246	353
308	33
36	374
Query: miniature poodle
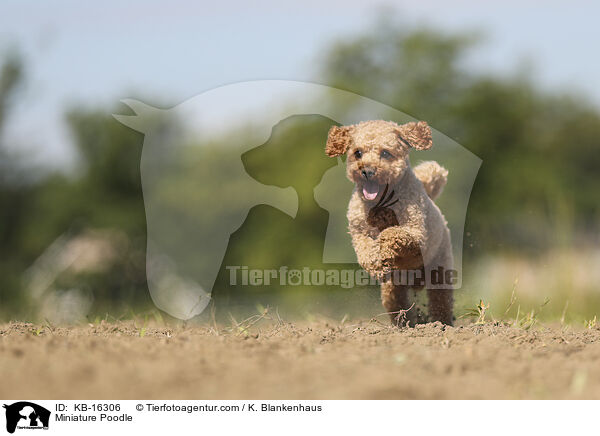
393	221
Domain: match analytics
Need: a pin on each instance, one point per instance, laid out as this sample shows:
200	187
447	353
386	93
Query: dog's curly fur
393	221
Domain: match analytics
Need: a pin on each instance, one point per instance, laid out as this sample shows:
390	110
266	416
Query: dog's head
377	151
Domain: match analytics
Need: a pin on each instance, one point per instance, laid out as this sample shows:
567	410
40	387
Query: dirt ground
317	360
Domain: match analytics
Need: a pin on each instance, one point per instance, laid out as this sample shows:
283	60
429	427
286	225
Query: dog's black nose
368	173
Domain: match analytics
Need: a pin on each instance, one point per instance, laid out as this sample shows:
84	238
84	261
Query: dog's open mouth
370	190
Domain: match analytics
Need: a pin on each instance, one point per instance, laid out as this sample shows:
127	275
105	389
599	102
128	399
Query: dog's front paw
398	248
389	244
371	262
374	266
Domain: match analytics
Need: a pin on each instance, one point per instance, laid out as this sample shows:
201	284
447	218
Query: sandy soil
318	360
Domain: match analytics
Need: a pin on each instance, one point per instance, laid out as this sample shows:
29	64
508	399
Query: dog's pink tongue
370	190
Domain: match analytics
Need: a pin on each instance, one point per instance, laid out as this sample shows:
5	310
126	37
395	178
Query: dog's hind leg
440	293
441	302
396	302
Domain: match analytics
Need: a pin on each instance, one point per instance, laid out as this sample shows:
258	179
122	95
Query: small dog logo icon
26	415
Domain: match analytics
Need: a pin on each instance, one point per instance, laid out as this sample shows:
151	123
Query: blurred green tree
105	196
38	212
14	192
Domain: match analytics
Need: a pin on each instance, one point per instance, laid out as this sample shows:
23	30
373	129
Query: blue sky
166	52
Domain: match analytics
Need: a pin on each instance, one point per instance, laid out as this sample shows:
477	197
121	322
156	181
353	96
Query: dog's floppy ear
338	141
416	134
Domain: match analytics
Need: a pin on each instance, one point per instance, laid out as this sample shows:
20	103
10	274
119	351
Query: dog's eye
358	154
386	154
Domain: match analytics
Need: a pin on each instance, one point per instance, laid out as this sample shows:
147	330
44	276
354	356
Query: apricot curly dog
393	221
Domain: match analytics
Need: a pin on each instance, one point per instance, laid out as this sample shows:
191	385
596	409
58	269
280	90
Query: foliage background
73	240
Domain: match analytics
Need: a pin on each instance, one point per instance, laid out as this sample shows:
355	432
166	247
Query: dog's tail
433	176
